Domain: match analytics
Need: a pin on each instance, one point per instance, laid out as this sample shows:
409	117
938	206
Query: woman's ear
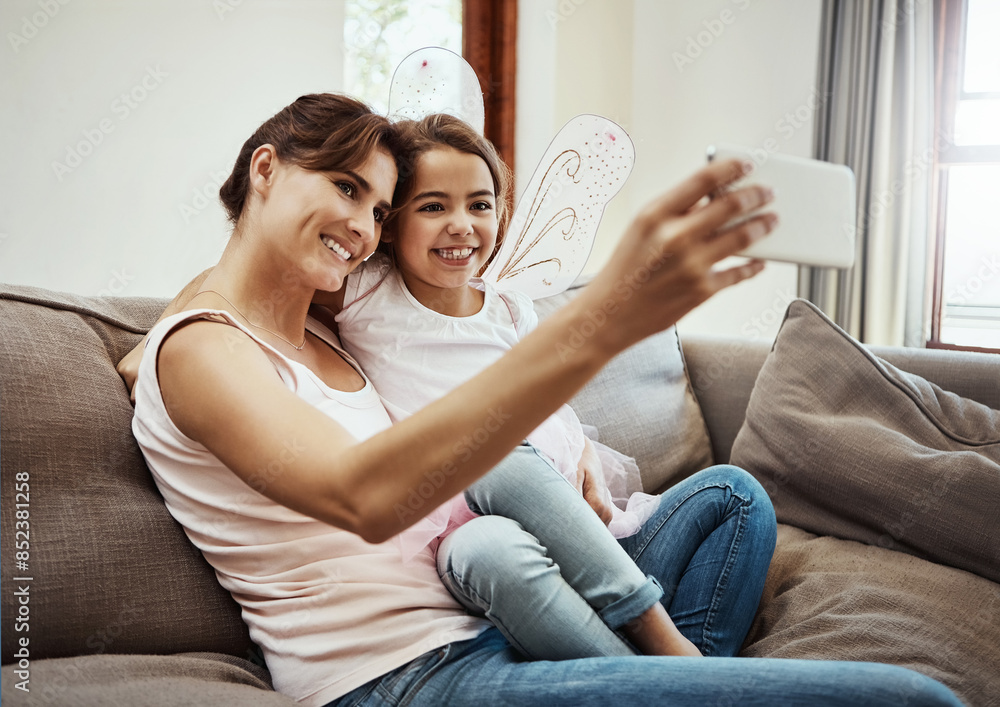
263	163
385	243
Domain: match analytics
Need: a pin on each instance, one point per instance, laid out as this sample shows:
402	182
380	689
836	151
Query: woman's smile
337	249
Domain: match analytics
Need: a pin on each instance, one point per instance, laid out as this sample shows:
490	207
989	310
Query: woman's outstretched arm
662	269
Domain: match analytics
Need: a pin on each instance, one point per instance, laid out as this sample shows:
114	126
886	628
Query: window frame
489	44
950	16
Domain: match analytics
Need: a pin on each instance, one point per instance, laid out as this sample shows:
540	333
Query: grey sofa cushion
832	599
849	446
111	570
144	681
645	388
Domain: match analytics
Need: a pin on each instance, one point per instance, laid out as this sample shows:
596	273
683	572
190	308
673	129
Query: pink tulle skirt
561	439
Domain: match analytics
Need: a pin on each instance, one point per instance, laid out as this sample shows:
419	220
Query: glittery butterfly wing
436	80
552	230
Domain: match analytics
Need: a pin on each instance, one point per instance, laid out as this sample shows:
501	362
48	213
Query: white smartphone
815	202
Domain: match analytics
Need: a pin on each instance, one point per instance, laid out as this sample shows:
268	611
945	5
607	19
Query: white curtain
877	76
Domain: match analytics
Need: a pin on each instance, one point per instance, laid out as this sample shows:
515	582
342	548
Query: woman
273	451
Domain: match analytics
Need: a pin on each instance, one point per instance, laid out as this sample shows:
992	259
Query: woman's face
445	233
323	224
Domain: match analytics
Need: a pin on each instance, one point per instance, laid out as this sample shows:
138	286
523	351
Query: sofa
105	602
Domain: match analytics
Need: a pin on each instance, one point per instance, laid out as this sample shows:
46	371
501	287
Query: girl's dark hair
320	131
441	130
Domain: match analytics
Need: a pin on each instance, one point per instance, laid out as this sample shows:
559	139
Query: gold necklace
258	326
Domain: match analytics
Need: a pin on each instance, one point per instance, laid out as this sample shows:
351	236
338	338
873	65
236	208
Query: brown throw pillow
847	445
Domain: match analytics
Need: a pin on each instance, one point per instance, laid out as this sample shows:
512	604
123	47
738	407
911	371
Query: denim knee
738	479
490	546
747	489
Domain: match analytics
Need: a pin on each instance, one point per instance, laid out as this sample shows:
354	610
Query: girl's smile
445	233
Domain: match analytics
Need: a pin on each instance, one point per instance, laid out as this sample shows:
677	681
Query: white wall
138	214
145	105
678	75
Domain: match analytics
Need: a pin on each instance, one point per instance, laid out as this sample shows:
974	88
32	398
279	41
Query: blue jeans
487	671
557	584
542	566
709	544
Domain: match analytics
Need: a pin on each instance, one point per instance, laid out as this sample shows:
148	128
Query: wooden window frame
949	51
489	44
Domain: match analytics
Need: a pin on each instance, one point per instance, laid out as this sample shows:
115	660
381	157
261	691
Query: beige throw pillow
850	446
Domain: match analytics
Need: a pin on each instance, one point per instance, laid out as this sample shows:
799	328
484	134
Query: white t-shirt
329	610
415	355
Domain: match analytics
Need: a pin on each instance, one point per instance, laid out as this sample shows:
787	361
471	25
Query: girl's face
446	232
325	223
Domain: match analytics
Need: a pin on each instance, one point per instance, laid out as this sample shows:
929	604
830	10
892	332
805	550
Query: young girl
420	323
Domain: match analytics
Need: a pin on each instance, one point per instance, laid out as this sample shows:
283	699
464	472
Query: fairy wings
552	230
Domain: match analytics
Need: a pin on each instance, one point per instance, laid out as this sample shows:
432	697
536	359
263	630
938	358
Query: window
966	309
378	34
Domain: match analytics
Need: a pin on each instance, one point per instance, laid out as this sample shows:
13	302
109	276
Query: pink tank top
329	610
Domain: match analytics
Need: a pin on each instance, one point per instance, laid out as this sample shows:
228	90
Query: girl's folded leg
709	544
526	488
498	570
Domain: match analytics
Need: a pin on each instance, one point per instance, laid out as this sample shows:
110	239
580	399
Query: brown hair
441	130
321	132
